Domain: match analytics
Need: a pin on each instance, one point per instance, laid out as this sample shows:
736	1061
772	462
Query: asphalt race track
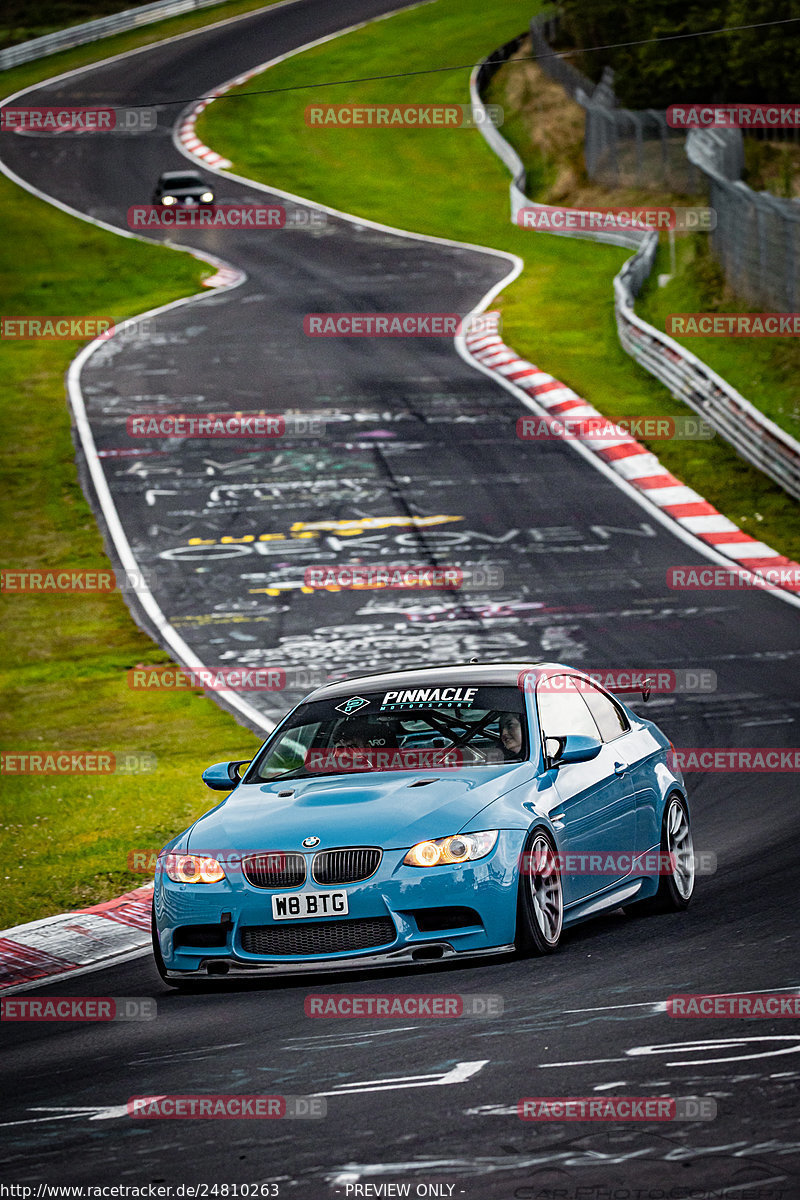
413	433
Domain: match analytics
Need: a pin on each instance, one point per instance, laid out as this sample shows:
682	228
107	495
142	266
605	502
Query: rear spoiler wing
645	688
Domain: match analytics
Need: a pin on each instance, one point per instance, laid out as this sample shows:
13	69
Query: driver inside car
361	734
351	734
511	735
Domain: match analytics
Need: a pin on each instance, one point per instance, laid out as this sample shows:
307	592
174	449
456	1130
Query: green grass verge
559	313
63	673
66	840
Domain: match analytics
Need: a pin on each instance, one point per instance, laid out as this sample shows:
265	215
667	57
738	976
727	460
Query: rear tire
540	905
675	889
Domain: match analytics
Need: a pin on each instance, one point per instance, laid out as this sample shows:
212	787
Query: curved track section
420	463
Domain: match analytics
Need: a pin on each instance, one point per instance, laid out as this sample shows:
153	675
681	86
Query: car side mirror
224	776
573	748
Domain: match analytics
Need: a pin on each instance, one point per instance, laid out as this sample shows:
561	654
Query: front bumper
420	956
435	913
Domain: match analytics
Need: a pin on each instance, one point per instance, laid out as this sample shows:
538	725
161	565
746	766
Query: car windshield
183	181
420	728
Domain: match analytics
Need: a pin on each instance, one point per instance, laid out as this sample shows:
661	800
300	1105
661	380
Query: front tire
540	909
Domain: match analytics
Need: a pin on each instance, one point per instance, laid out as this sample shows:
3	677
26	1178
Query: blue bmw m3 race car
418	815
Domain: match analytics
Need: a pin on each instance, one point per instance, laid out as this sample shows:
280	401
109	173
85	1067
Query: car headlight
207	197
192	868
462	847
168	200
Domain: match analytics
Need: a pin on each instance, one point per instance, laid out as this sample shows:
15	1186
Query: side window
611	720
562	710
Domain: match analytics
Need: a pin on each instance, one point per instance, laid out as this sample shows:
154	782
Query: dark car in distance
183	188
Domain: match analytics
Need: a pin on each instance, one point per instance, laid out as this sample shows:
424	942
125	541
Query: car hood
382	810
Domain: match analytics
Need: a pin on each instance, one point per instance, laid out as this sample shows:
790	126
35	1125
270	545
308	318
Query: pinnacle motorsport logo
438	697
352	705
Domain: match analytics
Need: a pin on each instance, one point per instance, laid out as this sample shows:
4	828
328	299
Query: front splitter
422	955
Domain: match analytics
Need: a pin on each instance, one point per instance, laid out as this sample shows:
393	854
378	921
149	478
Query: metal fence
637	149
555	65
92	31
757	439
622	148
757	238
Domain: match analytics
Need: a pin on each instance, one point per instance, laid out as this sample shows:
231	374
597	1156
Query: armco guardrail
754	437
480	77
93	31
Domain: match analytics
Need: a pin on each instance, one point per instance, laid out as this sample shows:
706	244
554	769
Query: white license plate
303	906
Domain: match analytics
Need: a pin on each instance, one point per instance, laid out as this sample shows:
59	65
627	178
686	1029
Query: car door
597	811
636	747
